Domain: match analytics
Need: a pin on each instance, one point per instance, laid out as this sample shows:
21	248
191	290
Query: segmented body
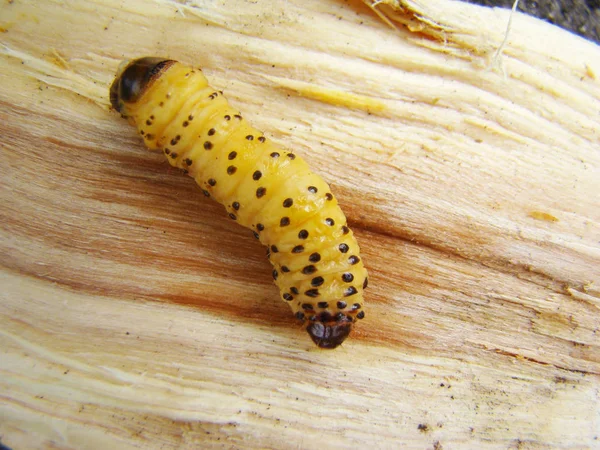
272	191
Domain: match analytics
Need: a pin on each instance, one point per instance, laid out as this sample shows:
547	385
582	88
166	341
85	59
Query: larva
291	210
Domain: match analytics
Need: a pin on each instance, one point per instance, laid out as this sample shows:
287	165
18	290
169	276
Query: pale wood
134	314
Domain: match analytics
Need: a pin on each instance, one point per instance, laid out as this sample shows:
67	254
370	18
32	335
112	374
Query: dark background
581	17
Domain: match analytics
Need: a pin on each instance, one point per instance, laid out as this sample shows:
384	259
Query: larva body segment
272	191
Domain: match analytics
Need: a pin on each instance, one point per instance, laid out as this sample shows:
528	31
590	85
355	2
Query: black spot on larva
232	155
274	249
274	155
345	229
360	315
188	161
323	305
167	151
316	282
294	290
205	192
175	140
353	260
250	137
355	307
314	257
208	145
174	155
149	136
288	297
308	270
300	315
237	116
329	196
312	189
213	95
312	293
307	307
190	117
212	181
341	304
148	122
260	192
339	317
260	227
291	156
256	175
348	277
211	132
312	318
288	202
350	291
227	117
298	249
285	269
344	248
275	274
232	216
284	222
261	139
302	234
236	206
185	123
256	235
365	283
231	170
325	316
329	221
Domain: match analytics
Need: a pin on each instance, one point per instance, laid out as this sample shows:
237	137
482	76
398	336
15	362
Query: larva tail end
329	335
133	79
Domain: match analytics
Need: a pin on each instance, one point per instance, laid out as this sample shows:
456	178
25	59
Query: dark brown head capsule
134	78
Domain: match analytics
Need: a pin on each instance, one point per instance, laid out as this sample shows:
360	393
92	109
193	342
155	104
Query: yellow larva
291	210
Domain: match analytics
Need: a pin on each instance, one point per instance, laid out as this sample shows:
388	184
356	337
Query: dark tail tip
329	335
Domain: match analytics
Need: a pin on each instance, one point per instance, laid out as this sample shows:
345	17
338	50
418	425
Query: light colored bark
134	314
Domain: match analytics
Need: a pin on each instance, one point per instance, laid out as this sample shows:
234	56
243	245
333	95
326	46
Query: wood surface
135	314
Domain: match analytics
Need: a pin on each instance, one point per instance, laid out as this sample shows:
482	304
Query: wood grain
134	314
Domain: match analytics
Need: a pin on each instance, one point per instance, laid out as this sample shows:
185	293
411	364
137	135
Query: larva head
329	331
134	78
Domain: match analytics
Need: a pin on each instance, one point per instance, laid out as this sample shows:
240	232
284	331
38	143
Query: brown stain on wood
186	246
150	232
